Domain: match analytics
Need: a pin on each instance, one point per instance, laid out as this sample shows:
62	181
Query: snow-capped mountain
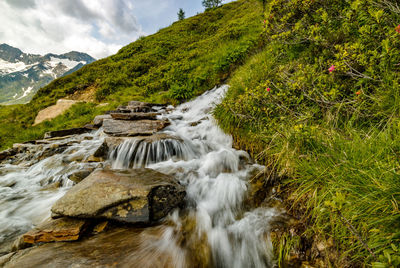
22	75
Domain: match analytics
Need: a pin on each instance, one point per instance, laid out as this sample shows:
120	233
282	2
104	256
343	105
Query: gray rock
139	103
79	176
133	128
132	196
66	132
8	153
98	120
134	116
118	247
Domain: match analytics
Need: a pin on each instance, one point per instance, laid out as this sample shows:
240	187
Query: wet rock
113	142
52	150
19	244
139	103
63	229
176	117
6	258
37	142
102	151
132	196
157	137
8	153
79	176
107	249
52	187
133	128
90	126
66	132
134	116
98	120
101	227
94	159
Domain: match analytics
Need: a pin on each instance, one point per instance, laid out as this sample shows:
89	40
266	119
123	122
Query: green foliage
211	3
334	135
173	65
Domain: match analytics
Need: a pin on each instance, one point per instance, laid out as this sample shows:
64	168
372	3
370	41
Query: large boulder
132	196
63	229
133	128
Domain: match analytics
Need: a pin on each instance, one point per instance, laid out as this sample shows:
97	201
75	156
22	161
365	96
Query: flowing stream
200	156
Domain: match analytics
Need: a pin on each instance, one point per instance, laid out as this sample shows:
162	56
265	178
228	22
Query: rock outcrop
134	196
133	128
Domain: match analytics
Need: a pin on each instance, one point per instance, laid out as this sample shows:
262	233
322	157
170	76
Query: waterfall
202	158
214	227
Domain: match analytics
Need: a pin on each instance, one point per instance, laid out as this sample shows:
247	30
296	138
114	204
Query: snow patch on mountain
10	67
23	74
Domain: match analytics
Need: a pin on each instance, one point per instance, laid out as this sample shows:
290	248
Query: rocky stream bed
144	186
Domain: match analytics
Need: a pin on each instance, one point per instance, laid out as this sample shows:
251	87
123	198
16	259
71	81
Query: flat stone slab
134	116
66	132
63	229
132	196
133	128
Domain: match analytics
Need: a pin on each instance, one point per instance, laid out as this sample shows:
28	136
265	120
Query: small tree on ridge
181	14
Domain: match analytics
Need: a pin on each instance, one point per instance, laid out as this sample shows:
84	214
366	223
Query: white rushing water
199	155
216	177
29	187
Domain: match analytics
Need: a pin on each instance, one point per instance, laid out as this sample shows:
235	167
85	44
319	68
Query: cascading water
194	150
216	176
26	192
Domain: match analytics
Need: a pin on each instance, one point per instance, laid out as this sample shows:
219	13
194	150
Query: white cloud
99	27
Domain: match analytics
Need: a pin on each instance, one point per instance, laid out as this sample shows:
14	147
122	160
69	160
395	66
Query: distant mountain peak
22	74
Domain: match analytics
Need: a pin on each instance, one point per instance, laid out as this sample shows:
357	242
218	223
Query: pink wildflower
268	89
332	68
398	28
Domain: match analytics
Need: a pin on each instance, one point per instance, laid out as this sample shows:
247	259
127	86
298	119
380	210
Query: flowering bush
333	69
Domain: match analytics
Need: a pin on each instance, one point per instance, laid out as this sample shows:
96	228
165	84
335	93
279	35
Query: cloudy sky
97	27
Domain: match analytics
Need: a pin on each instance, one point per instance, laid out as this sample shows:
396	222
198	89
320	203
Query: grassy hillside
314	96
320	105
175	64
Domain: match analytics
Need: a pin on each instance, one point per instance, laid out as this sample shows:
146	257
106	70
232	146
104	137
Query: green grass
171	66
333	137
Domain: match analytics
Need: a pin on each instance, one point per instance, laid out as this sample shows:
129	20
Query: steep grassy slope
320	105
173	65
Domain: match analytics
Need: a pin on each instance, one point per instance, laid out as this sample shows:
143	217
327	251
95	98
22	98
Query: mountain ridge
23	74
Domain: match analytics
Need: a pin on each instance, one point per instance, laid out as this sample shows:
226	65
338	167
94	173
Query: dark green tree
211	3
181	14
